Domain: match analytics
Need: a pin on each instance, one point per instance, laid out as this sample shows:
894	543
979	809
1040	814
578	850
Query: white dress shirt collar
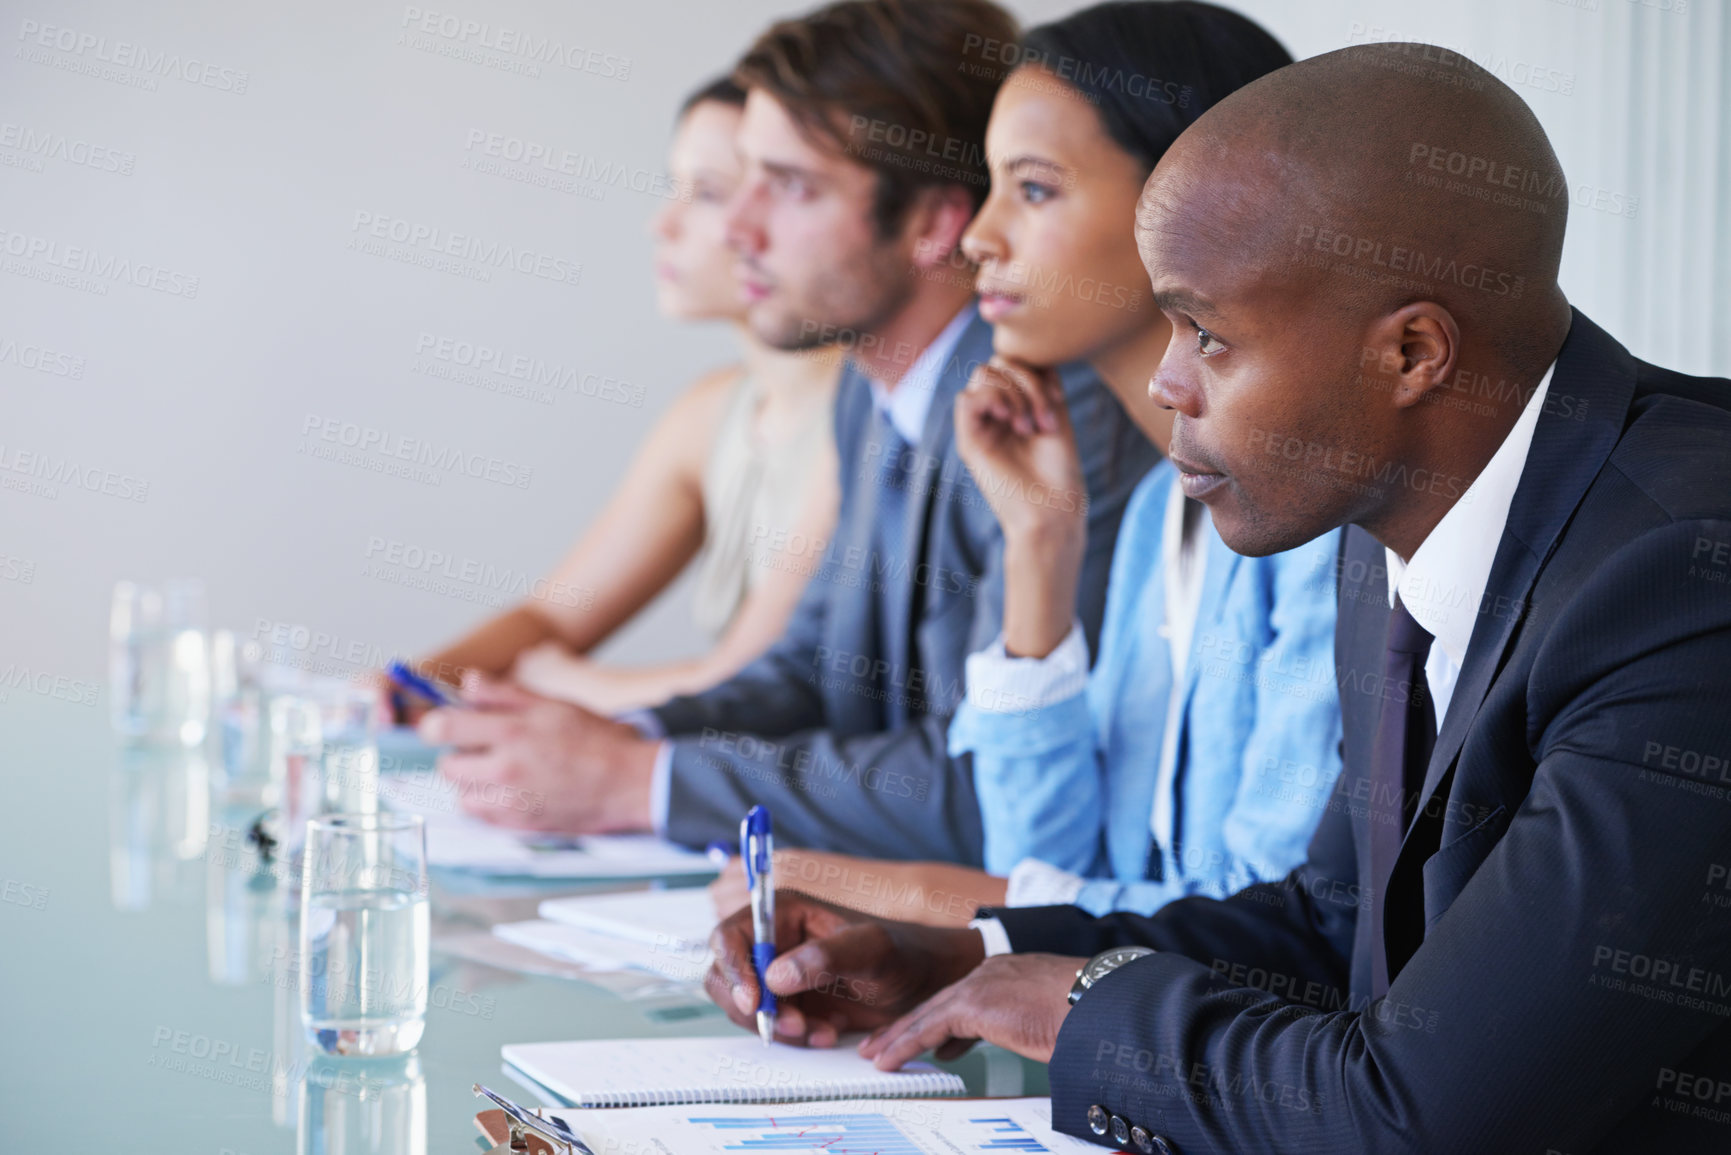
908	403
1443	586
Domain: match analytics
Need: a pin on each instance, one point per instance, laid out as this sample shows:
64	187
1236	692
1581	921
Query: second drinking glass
364	933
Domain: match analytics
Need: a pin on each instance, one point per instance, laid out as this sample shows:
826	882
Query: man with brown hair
863	140
866	168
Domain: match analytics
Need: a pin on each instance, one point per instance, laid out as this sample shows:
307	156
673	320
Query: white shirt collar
1182	559
907	404
1443	586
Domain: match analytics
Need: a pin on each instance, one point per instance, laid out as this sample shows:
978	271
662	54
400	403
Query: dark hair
1151	67
721	90
889	83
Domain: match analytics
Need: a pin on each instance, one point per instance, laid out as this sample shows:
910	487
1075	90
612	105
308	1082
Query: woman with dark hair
737	477
1198	755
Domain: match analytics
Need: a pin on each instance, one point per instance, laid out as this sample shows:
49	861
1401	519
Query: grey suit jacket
803	729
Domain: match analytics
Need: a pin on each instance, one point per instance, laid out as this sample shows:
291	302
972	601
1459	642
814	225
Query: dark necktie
1405	736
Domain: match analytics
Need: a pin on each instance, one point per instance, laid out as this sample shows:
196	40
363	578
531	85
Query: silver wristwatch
1104	964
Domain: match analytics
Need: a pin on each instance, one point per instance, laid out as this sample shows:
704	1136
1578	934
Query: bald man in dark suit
1510	934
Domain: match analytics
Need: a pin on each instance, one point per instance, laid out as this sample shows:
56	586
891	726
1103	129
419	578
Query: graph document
865	1127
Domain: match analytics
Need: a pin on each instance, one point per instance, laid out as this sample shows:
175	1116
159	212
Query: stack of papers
604	952
457	841
664	931
659	917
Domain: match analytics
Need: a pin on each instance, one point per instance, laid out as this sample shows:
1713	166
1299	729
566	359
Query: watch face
1104	964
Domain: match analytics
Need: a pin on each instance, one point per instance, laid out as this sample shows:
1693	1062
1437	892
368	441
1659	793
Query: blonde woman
738	479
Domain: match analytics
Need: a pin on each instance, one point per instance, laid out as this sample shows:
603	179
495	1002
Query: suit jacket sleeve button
1120	1130
1141	1140
1098	1121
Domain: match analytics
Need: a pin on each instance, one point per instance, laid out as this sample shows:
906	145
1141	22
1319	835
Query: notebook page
721	1069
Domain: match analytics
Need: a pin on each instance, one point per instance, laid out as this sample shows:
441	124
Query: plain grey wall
152	425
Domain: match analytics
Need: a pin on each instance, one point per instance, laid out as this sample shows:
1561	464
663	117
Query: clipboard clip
518	1131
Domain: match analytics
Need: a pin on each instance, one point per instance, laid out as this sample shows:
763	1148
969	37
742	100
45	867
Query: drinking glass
349	763
364	933
159	662
243	722
296	746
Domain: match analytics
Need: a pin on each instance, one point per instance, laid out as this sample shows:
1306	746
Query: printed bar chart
864	1133
1009	1136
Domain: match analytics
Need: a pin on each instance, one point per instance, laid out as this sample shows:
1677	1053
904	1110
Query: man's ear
936	221
1412	351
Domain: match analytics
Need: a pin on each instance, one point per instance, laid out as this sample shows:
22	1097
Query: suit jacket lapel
1593	371
935	450
852	632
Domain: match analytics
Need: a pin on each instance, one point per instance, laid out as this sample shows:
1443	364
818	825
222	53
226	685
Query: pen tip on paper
765	1026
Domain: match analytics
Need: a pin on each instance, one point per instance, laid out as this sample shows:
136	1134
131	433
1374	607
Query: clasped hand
1013	433
916	988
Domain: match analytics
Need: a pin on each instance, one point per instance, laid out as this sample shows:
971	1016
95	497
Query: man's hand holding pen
590	773
915	987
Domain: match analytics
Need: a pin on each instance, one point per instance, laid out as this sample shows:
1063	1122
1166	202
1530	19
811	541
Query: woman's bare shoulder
711	391
690	424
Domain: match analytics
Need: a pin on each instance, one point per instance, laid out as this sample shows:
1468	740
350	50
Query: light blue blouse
1072	782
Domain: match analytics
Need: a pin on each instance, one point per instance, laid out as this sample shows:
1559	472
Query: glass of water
349	764
296	745
159	662
364	933
242	719
324	752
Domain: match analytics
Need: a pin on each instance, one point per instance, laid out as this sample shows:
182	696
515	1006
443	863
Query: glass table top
147	999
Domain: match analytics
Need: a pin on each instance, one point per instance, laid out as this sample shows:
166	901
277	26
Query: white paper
851	1127
672	959
661	917
457	841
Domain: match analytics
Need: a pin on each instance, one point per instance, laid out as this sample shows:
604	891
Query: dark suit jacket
803	729
1559	914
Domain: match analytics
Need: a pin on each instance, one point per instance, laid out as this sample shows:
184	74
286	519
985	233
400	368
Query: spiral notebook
717	1069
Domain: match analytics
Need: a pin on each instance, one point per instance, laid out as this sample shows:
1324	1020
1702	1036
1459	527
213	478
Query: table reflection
246	885
363	1107
168	945
158	824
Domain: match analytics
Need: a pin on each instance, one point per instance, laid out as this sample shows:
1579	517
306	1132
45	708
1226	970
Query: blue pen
757	848
400	673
